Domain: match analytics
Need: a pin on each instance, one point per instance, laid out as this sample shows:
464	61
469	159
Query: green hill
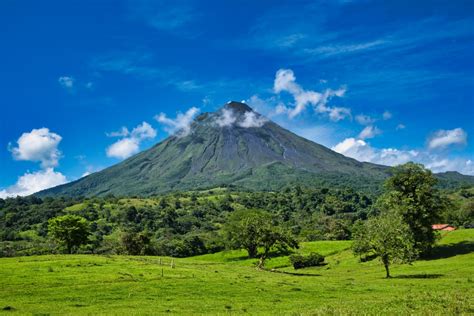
227	283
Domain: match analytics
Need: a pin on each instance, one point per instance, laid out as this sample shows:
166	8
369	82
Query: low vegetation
227	282
300	261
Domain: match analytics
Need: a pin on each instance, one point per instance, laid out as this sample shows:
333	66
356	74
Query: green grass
227	283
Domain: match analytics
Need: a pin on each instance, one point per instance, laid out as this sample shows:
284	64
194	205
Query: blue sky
85	84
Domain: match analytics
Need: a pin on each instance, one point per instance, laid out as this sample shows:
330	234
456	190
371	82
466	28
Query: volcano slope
234	146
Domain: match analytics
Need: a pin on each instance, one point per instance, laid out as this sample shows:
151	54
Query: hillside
226	282
234	146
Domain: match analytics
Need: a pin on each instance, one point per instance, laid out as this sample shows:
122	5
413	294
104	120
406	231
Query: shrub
312	260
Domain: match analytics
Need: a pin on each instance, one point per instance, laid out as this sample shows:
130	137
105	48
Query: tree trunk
263	257
252	251
261	262
387	270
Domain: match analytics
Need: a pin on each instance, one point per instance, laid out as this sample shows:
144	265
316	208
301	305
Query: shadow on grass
273	254
293	273
451	250
240	258
418	276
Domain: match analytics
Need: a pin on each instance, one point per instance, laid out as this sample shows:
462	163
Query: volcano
232	147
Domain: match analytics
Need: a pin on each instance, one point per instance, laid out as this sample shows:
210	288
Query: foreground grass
227	283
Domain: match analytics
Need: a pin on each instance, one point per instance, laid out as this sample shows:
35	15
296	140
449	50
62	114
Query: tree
70	230
242	229
136	243
387	237
254	229
411	193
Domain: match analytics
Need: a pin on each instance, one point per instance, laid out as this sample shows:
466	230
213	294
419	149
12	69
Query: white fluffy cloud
355	148
38	145
444	138
123	148
251	119
362	151
66	82
226	118
285	80
143	131
181	125
30	183
130	143
369	132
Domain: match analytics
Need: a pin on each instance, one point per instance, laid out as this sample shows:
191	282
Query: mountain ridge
234	146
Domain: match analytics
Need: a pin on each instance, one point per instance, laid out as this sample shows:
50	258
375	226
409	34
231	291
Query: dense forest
192	223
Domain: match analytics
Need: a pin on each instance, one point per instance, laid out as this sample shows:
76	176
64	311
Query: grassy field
227	283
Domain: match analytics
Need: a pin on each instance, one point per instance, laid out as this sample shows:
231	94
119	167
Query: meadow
228	283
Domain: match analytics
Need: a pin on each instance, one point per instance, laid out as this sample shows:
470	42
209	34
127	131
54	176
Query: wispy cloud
281	31
167	16
363	119
332	50
399	58
400	127
369	132
143	66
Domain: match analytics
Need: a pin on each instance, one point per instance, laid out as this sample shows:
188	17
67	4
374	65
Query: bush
312	260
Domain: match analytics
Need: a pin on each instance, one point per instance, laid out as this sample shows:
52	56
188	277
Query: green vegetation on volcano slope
256	159
226	282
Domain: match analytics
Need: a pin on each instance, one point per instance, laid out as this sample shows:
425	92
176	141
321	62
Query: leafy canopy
411	193
387	237
70	230
254	229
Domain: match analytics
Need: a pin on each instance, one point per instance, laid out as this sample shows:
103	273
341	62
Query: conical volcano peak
234	146
238	107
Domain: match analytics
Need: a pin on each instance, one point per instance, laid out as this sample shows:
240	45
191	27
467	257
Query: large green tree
255	229
411	192
387	237
70	230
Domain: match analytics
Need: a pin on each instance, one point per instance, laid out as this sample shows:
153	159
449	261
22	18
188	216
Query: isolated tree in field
387	237
243	228
411	193
254	229
70	230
